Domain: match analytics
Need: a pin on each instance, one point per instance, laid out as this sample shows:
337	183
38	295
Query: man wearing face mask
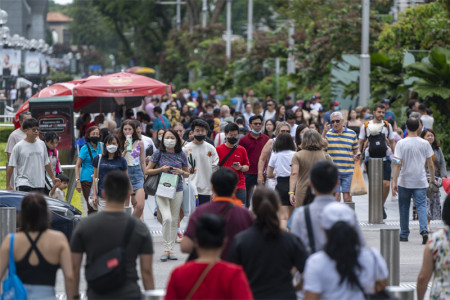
253	142
202	160
235	157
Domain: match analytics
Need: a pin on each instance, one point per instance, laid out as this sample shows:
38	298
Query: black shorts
386	169
282	188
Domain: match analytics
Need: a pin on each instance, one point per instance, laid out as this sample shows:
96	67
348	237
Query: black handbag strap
128	231
228	155
312	243
226	210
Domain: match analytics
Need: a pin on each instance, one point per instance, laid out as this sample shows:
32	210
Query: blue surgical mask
367	116
337	108
256	132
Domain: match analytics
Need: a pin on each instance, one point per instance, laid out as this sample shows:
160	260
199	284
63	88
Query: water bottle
130	143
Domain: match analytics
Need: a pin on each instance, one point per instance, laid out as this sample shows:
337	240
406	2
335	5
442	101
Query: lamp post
228	41
364	67
250	26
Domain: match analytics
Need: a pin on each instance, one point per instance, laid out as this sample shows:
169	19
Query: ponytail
265	206
343	246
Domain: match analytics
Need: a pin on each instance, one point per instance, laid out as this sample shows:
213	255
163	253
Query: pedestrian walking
279	167
209	277
83	167
30	158
344	269
234	156
51	140
343	149
278	251
313	146
253	142
101	233
133	150
203	160
38	251
410	178
376	140
224	183
434	194
169	159
436	259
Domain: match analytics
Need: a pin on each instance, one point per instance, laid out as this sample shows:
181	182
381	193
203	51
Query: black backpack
377	143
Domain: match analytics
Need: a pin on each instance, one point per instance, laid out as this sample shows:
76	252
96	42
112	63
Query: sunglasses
256	124
335	121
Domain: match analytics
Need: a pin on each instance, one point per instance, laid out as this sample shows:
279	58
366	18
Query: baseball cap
385	101
337	212
336	103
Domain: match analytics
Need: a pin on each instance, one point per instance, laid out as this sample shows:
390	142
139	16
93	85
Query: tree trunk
220	5
193	12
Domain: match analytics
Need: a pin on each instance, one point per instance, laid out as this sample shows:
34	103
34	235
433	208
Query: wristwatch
133	194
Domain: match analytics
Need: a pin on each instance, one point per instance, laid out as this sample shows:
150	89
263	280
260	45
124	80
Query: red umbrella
57	89
117	86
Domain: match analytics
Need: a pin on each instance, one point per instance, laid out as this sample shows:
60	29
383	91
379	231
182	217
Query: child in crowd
57	191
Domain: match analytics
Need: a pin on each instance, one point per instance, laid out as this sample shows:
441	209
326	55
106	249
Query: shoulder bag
13	288
199	281
228	155
151	182
312	243
108	272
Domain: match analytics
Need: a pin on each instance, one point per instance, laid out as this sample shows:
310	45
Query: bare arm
392	143
425	273
9	173
8	154
431	169
361	145
150	169
270	173
66	266
394	178
293	182
262	160
146	264
76	266
142	156
311	296
77	173
187	245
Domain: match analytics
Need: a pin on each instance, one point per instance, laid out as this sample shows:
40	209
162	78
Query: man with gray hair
18	134
343	149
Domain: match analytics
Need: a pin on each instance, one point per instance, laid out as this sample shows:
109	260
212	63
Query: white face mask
111	148
170	143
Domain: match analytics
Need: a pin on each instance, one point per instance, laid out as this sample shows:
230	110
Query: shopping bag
189	197
358	186
13	288
167	186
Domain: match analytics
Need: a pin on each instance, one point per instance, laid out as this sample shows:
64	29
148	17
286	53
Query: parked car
63	216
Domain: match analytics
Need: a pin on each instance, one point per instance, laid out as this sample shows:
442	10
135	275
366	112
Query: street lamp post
364	68
204	13
250	26
228	42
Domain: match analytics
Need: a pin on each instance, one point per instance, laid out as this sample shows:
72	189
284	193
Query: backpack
377	143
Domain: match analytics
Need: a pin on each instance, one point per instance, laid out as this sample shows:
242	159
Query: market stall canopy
140	70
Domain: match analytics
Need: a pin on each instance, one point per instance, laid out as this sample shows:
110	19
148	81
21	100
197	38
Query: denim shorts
41	292
136	177
345	181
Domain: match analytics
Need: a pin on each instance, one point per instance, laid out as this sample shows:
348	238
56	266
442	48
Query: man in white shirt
315	102
410	178
30	158
427	120
18	134
269	112
202	159
248	113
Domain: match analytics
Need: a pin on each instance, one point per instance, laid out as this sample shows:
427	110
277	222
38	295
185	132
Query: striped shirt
340	148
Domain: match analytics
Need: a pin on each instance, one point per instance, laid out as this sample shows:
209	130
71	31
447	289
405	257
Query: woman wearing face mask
159	136
112	160
133	150
365	115
170	159
83	168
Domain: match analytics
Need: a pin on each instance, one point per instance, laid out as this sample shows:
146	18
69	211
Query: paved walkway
410	253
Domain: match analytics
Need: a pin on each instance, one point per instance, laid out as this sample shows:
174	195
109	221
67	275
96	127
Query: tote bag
167	186
358	186
13	288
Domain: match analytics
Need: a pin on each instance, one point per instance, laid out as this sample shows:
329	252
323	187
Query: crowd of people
258	170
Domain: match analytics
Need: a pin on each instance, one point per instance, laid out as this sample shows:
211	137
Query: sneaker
179	237
424	237
403	239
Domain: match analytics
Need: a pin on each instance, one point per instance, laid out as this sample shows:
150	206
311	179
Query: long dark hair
123	138
283	142
298	140
265	130
178	147
343	246
34	213
435	145
266	203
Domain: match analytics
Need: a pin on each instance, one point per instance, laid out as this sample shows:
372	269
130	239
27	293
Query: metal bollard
400	293
7	221
390	249
375	190
351	205
128	210
153	295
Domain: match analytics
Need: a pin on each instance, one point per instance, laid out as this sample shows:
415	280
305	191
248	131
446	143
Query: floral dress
439	245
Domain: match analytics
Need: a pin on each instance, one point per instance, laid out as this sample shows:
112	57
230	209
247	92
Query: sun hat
337	212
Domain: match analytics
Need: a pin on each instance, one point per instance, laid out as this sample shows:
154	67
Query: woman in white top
280	167
344	269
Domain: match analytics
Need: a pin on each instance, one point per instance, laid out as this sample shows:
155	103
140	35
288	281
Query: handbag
189	197
95	182
167	186
151	182
13	288
108	272
358	186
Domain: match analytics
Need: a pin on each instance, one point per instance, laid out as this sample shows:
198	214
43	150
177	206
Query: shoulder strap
98	166
312	243
365	127
11	264
386	123
128	232
228	155
200	280
162	121
225	212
